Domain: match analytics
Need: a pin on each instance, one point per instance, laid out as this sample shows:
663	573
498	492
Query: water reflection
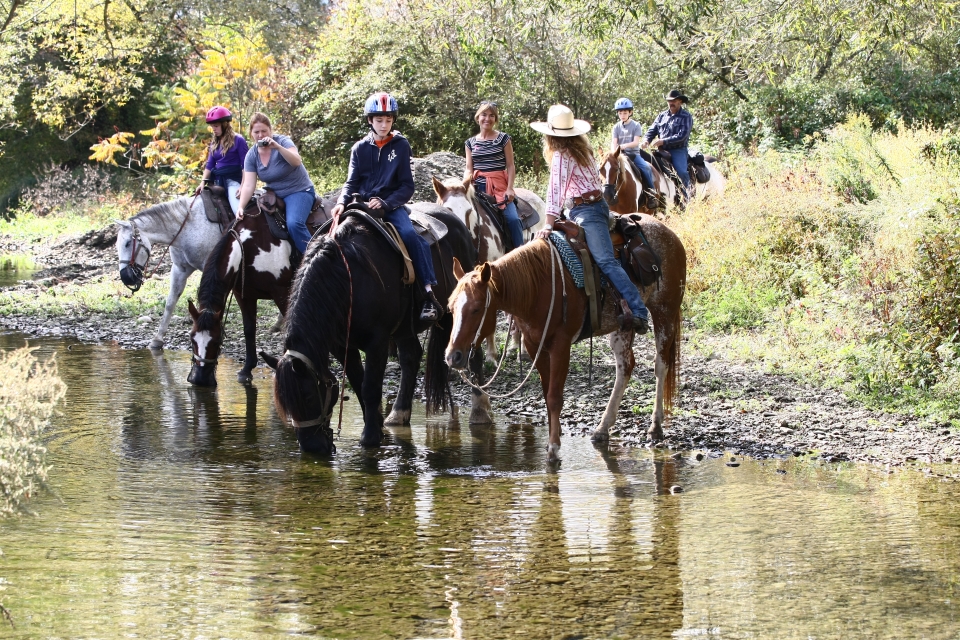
187	508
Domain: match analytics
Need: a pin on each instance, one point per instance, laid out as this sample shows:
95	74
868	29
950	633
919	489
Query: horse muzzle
456	359
203	375
132	277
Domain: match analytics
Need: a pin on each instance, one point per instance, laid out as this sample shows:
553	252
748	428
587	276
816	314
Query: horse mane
213	289
517	278
168	212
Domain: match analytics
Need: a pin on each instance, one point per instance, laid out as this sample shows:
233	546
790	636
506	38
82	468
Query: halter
132	264
321	420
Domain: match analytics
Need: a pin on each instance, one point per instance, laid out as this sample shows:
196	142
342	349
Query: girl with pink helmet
225	156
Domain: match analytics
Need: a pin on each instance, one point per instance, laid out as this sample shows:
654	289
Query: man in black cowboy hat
672	130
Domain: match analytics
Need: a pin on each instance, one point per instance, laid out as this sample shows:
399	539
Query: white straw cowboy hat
561	123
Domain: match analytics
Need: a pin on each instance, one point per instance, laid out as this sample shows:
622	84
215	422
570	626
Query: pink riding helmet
219	114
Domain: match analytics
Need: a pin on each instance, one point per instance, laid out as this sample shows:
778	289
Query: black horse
354	278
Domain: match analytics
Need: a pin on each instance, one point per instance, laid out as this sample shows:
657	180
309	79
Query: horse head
206	338
133	251
473	315
457	196
304	393
609	173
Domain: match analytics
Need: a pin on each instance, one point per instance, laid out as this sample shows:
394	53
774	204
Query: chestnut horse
523	283
489	242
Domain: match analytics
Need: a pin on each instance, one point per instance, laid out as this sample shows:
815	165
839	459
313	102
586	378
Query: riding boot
432	310
653	203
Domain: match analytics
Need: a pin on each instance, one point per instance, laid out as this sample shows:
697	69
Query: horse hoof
156	343
244	377
398	418
600	436
370	442
655	434
553	453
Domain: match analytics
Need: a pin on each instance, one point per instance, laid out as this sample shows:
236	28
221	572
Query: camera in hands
265	142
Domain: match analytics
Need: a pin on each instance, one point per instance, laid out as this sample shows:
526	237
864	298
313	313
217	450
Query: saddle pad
569	257
428	227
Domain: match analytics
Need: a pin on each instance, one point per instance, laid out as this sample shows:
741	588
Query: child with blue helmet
627	134
380	172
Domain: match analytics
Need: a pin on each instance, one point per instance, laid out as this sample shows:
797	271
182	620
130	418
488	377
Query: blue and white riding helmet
623	103
380	104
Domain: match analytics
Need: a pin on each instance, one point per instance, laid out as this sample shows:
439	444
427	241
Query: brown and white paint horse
616	171
520	284
487	239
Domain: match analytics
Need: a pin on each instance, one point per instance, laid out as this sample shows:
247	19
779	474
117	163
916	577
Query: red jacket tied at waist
496	184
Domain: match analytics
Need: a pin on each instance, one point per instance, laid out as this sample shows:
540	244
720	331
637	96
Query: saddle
216	205
630	247
696	167
275	212
525	211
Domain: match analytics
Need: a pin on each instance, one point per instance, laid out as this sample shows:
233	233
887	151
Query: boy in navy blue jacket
380	172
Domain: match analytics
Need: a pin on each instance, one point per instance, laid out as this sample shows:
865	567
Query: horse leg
621	344
491	350
409	353
178	280
480	411
663	332
354	370
248	311
372	392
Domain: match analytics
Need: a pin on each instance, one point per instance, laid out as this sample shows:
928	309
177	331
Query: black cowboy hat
676	95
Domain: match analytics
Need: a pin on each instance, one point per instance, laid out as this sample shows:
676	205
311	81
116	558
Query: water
15	268
182	512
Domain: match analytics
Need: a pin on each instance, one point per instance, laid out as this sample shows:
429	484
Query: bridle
133	266
615	186
321	382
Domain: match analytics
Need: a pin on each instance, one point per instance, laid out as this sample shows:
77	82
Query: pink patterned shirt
567	180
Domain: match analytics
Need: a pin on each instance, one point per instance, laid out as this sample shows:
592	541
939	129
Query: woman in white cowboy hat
574	179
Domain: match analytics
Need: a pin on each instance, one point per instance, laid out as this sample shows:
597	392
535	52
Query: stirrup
640	325
431	310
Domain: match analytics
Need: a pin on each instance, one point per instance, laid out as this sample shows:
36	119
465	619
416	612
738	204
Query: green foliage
29	391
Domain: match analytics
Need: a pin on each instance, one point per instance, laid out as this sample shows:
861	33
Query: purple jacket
233	157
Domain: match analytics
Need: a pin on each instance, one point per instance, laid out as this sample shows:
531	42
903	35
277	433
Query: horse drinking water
550	310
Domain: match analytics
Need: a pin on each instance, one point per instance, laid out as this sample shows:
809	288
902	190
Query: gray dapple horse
183	219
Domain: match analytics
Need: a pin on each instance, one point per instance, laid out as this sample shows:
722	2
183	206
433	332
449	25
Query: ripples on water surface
184	512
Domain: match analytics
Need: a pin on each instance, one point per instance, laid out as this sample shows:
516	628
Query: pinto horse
487	238
523	283
348	297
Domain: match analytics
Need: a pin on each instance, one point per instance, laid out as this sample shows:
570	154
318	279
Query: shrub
29	391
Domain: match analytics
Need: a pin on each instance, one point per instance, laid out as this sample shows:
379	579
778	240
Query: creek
182	512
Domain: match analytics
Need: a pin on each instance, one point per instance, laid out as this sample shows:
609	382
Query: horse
530	284
622	188
347	297
487	237
182	225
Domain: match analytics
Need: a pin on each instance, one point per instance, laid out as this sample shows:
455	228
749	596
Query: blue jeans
417	247
299	205
593	219
679	159
644	167
513	224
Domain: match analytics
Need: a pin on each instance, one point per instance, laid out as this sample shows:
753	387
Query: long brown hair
225	140
577	146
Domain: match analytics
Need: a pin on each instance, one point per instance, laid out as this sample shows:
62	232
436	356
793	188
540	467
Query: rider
225	156
574	178
275	160
673	128
491	168
380	172
627	135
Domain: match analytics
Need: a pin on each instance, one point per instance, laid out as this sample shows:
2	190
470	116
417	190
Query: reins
346	343
554	263
176	235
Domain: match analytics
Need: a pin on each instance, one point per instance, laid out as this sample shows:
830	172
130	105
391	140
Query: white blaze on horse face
274	260
202	339
458	306
236	251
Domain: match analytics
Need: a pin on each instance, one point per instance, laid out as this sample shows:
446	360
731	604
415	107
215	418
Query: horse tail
436	374
671	384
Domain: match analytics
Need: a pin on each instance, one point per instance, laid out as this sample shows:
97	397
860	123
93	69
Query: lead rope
346	343
554	262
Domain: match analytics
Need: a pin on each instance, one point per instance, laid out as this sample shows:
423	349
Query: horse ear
485	272
438	188
270	360
458	271
616	152
192	309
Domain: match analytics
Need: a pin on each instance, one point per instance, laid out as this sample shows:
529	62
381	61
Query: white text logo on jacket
392	156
